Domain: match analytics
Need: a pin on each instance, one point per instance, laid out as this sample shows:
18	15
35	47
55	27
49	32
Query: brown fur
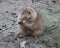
30	26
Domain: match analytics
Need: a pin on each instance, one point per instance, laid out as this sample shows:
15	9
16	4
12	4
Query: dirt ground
9	10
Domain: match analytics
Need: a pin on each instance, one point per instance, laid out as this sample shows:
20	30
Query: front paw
21	35
37	34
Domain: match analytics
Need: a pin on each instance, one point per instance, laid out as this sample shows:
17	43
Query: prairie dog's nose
25	17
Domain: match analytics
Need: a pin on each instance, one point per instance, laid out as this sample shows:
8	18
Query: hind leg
37	33
22	33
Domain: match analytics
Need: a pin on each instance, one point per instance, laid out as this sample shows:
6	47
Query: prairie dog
31	22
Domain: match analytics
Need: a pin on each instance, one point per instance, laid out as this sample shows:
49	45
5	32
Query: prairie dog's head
27	16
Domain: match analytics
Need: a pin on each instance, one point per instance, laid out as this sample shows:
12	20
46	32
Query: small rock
13	24
16	0
13	13
54	1
22	44
56	45
14	21
0	29
4	26
6	11
32	1
37	0
0	1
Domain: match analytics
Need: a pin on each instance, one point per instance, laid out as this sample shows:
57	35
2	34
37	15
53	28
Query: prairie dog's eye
29	12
